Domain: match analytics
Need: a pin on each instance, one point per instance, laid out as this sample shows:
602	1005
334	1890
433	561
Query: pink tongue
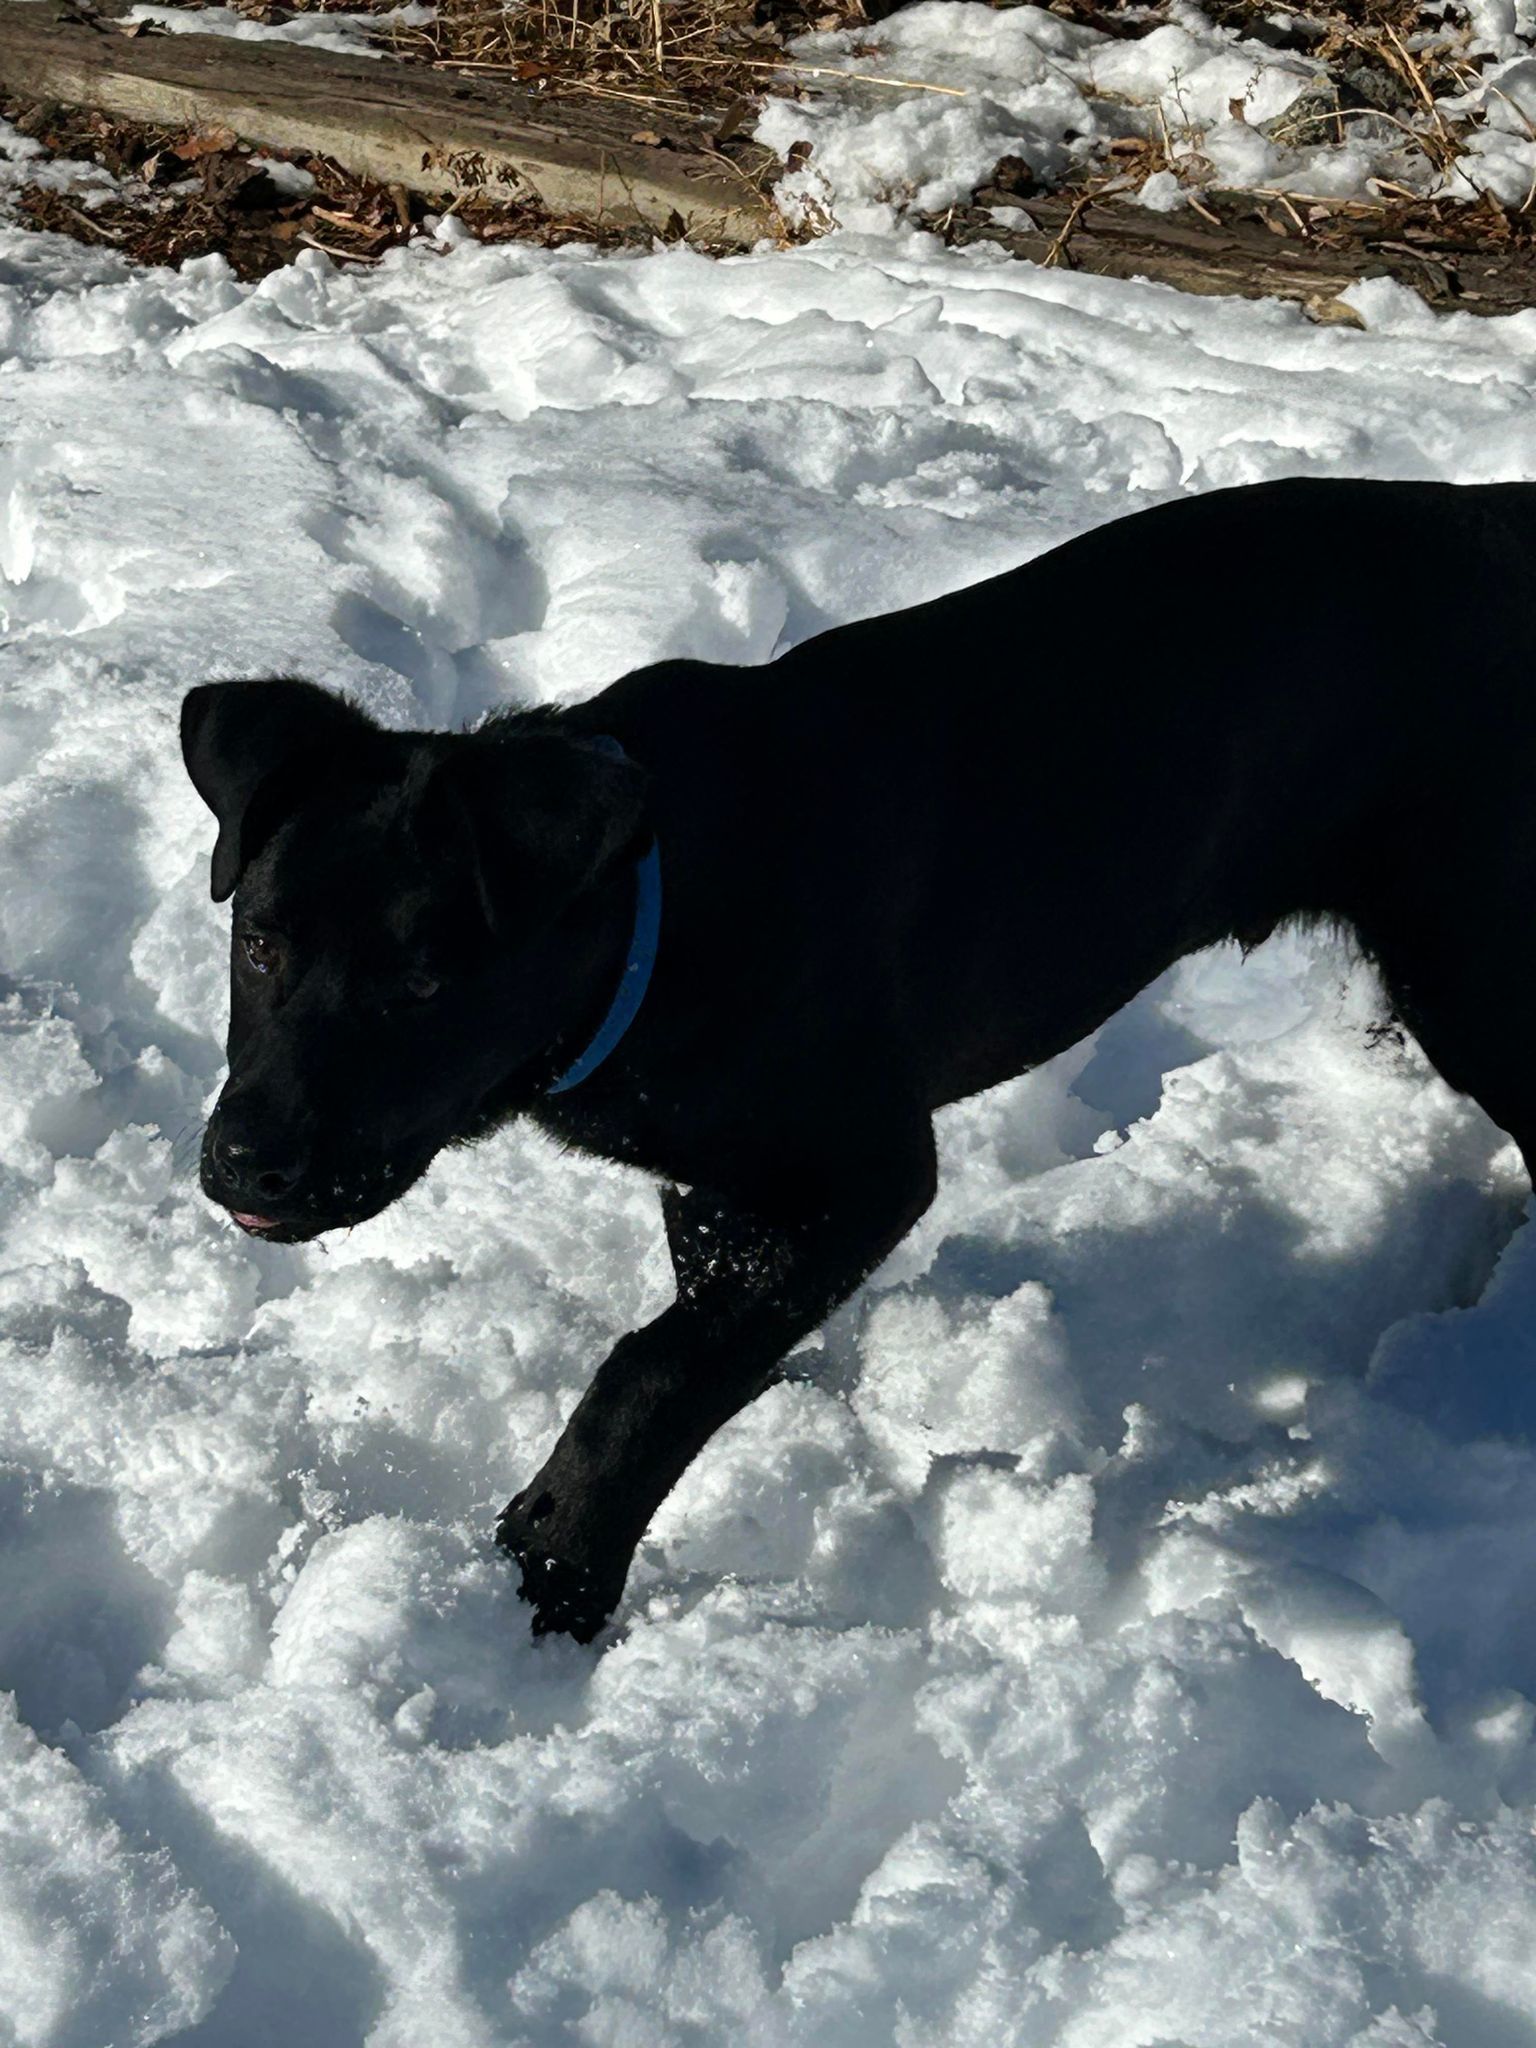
252	1222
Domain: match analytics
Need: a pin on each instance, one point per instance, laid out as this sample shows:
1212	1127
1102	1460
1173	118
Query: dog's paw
567	1598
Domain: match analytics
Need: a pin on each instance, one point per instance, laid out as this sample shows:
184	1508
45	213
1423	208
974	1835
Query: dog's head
418	921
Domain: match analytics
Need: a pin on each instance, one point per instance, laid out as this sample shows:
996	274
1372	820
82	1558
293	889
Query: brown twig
954	92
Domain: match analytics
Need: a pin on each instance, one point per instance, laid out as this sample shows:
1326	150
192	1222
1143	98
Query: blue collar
635	979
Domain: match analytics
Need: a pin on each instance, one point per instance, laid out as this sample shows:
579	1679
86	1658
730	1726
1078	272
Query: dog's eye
422	987
264	953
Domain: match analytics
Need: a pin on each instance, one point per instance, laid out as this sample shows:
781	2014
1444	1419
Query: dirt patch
180	194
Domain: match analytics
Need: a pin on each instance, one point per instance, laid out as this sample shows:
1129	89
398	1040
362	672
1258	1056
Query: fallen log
439	134
1255	245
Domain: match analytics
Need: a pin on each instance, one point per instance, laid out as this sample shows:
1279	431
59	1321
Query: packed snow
1118	1630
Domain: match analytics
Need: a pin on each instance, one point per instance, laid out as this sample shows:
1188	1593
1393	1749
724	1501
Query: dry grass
709	61
1391	64
1390	69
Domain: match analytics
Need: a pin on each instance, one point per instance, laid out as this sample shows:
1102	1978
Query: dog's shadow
1210	1326
1195	1316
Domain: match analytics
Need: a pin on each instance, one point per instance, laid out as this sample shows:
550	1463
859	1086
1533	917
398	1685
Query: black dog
914	857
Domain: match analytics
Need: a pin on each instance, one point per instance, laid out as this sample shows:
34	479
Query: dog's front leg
748	1289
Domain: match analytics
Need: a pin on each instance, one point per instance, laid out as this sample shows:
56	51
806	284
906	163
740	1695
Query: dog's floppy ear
246	744
546	814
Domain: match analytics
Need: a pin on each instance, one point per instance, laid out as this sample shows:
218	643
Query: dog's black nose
276	1180
270	1178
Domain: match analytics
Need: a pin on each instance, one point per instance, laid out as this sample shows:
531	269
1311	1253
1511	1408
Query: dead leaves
203	142
191	192
197	191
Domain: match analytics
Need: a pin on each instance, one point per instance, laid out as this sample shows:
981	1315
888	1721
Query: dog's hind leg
748	1289
1469	997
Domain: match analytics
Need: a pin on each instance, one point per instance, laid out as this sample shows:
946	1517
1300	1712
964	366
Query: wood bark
433	132
1259	248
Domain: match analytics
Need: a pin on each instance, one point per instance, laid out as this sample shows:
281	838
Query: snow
1117	1630
933	96
350	34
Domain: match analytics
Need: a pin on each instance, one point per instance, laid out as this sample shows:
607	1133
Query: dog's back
1012	807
